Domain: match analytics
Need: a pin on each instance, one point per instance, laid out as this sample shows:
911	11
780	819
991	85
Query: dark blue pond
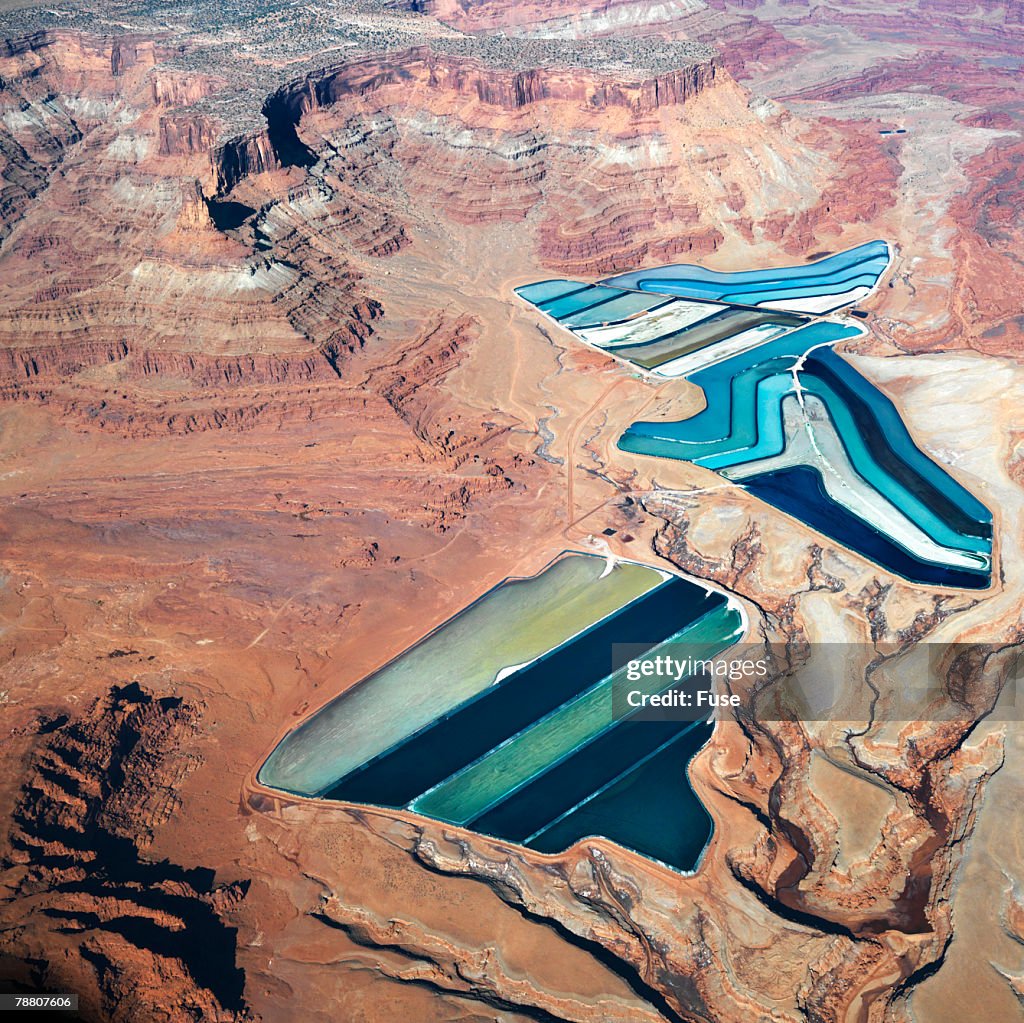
883	432
612	787
651	808
799	492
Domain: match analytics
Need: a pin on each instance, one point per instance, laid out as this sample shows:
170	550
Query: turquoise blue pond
787	291
961	503
890	462
620	306
650	807
844	271
869	487
938	531
660	817
537	754
580	305
763	291
574	301
544	291
714	423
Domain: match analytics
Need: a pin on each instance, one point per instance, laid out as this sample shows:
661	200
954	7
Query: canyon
270	410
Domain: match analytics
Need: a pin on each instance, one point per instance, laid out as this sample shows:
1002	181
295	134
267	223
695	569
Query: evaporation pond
512	624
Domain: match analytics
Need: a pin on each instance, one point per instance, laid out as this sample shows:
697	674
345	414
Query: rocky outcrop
249	370
188	135
194	218
536	18
421	67
233	160
22	364
82	903
102	64
182	89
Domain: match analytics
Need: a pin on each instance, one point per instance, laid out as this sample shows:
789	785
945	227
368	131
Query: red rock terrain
270	411
85	911
909	55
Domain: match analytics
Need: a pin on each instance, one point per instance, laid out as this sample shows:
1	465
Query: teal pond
526	746
786	418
